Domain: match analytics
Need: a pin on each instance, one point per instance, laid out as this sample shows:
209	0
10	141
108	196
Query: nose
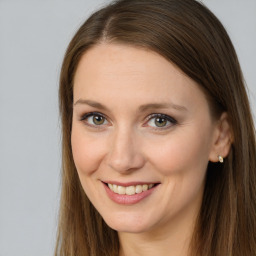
125	155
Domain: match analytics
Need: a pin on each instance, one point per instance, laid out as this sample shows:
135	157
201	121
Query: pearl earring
221	160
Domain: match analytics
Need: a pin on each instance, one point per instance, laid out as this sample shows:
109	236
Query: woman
158	137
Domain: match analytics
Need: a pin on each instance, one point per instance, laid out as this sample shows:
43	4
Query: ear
222	139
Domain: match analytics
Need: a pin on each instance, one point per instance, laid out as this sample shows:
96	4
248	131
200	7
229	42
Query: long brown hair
186	33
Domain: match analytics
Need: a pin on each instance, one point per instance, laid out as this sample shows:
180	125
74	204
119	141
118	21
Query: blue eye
94	119
161	121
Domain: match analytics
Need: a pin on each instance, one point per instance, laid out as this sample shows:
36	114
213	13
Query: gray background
33	38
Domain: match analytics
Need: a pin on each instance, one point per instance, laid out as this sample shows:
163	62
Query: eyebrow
142	108
91	103
146	107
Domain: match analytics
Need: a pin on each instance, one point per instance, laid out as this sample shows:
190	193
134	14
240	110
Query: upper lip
131	183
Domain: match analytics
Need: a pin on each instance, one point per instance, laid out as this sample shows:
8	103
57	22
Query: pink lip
131	183
128	199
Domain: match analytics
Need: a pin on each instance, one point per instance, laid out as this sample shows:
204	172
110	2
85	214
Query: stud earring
221	160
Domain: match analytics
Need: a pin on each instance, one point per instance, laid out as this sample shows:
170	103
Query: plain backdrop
33	37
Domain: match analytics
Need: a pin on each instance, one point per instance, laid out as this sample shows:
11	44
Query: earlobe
222	139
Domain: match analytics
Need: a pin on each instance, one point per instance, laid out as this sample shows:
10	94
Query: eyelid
87	115
148	118
167	117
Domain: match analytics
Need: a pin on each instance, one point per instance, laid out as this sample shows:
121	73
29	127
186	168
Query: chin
128	224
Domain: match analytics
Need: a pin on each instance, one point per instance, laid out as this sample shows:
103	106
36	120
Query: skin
129	146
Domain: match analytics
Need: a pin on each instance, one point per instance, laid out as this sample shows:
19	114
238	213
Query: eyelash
169	119
91	114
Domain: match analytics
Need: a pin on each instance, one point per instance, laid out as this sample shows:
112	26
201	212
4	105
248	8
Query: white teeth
130	190
115	188
150	186
138	189
145	187
121	190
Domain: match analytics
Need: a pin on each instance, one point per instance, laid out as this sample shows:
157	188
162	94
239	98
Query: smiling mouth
130	190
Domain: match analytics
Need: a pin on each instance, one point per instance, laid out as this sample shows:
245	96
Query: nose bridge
124	154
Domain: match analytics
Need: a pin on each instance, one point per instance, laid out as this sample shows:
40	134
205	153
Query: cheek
87	151
181	159
180	153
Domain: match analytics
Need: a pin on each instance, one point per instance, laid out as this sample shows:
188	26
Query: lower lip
128	199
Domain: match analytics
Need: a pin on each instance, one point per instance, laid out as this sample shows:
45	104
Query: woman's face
139	122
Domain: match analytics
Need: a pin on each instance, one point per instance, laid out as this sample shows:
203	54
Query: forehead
106	60
121	73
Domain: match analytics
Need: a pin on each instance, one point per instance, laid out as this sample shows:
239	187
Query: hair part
187	34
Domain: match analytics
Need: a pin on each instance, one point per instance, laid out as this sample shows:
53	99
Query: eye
94	119
161	121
